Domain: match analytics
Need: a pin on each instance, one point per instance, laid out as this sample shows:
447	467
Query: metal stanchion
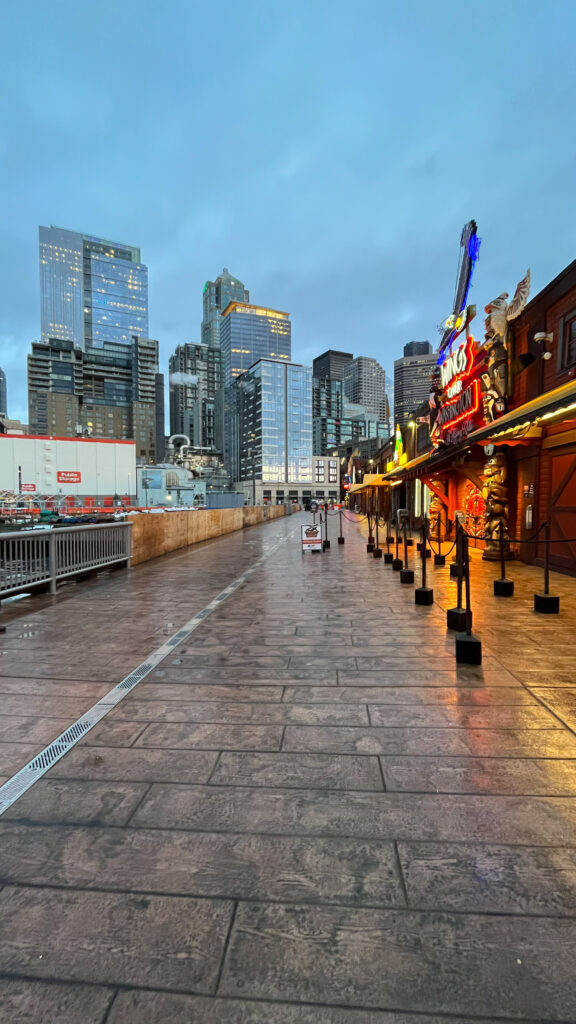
397	562
388	556
406	574
439	559
326	542
546	603
423	594
341	537
503	587
468	647
377	549
458	618
370	544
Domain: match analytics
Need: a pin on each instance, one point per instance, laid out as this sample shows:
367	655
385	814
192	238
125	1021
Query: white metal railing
30	558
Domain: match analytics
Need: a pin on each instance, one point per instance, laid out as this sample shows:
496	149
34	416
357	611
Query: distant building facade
106	392
92	290
365	384
192	402
332	365
412	379
217	295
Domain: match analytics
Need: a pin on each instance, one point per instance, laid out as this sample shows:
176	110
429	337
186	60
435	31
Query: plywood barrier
158	533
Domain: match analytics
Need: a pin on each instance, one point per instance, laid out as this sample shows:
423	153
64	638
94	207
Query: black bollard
388	556
341	537
546	603
377	549
325	542
370	544
406	574
503	587
424	595
458	618
439	559
397	562
468	647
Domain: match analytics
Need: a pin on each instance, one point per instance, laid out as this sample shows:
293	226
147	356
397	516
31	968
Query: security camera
542	337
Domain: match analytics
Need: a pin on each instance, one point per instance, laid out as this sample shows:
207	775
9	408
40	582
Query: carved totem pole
495	494
495	381
495	397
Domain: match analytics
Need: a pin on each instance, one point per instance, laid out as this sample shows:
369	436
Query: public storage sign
68	476
28	487
311	538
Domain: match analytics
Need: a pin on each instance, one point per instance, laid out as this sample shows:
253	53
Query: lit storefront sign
460	394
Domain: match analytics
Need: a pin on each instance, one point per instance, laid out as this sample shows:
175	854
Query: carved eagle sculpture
500	312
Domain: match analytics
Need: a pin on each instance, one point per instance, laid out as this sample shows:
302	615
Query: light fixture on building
541	338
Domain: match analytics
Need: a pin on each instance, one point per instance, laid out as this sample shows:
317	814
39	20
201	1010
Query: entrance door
563	511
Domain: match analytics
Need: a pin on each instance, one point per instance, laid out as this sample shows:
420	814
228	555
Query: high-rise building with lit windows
216	296
92	290
249	333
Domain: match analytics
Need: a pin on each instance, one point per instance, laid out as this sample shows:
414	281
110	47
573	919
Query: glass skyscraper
217	295
249	333
92	290
272	435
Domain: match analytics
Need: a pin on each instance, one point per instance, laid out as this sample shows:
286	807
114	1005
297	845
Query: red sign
68	476
28	487
462	390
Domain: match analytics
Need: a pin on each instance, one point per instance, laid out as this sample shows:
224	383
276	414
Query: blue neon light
473	254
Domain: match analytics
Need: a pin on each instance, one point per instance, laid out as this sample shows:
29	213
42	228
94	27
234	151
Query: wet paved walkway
307	814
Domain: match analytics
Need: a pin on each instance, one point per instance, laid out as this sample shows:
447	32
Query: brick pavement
307	814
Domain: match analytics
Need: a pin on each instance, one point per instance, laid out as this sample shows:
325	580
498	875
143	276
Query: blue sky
327	153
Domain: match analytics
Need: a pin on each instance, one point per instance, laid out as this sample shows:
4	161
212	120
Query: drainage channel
39	765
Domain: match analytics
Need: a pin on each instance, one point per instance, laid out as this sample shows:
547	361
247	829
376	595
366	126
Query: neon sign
462	392
470	250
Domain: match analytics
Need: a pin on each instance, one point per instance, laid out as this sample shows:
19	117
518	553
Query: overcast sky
328	153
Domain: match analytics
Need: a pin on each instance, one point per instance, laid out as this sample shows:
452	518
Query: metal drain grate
134	677
177	638
35	769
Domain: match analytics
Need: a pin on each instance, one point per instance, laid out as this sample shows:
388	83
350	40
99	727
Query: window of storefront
570	339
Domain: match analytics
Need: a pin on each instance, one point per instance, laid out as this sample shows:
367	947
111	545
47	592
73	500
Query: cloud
183	378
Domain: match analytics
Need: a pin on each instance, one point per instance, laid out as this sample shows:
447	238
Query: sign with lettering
311	538
460	399
68	476
28	487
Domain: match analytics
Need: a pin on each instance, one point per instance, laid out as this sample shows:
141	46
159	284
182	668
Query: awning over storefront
402	471
545	407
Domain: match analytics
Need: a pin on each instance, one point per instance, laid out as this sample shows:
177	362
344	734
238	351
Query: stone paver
306	814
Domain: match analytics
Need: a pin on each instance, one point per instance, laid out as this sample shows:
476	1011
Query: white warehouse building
81	467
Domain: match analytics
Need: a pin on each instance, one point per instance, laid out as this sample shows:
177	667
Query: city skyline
346	210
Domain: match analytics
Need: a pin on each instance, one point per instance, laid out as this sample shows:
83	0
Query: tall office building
108	392
272	437
249	333
92	290
327	397
332	365
412	379
365	384
217	295
3	394
195	380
